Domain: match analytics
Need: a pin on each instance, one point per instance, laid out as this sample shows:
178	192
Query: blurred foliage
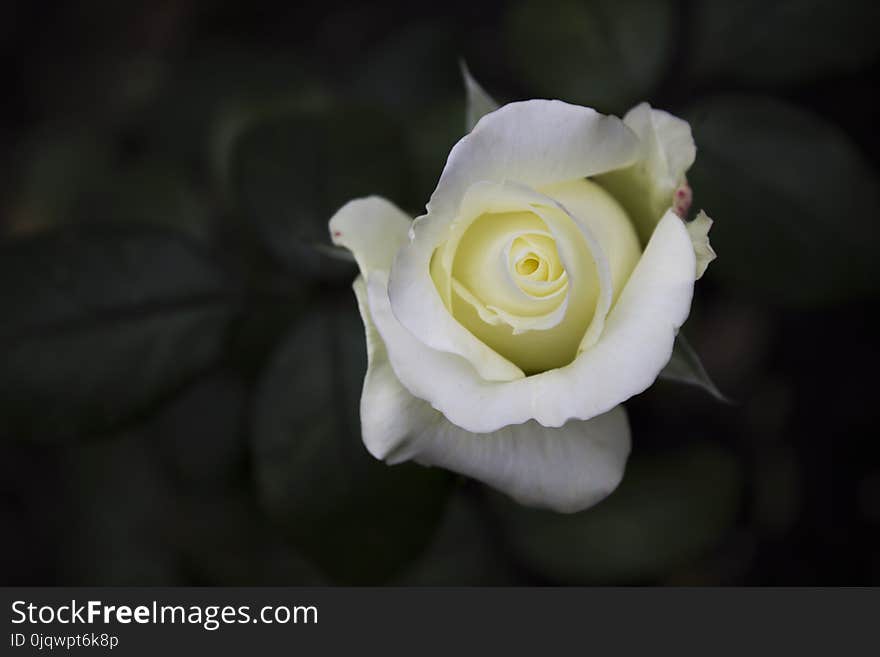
179	390
129	509
668	511
804	198
355	516
607	54
464	548
685	367
100	322
294	171
783	41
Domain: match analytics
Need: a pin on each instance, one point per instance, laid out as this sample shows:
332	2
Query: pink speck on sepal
681	200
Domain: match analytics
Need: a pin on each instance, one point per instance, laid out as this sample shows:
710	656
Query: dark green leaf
201	434
264	321
787	40
685	367
127	523
602	53
431	135
149	192
292	172
463	552
358	518
71	176
793	199
120	509
225	539
215	81
411	70
667	510
99	323
56	165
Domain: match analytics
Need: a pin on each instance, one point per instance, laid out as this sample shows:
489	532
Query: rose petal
417	303
666	152
698	229
373	229
532	143
635	345
609	224
566	469
388	410
535	143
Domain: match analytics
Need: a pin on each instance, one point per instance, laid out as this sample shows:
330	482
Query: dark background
182	362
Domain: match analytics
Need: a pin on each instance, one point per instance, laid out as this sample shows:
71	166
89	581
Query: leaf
71	176
479	103
411	70
224	539
118	508
668	510
100	322
463	552
787	41
56	165
149	192
215	80
264	320
171	502
793	200
220	535
607	54
685	367
291	172
430	136
357	518
201	434
127	523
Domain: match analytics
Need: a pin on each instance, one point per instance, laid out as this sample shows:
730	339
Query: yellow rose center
526	283
530	265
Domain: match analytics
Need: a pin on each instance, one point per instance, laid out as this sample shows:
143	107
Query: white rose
507	324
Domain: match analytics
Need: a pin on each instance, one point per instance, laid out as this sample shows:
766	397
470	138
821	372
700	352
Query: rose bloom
543	287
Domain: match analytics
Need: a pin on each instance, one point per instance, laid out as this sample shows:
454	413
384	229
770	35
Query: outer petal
373	229
535	143
698	229
388	411
666	152
635	345
566	469
667	142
